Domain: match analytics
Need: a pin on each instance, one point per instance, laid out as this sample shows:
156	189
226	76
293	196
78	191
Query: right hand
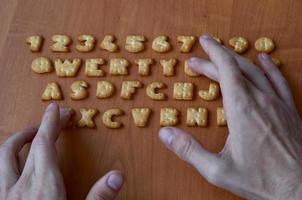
262	157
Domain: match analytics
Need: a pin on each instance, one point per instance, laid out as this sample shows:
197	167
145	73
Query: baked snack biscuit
108	44
67	68
118	66
169	116
152	92
61	43
108	118
79	90
240	44
34	42
144	66
160	44
41	65
188	71
92	67
52	92
187	43
104	89
87	116
221	119
135	43
88	43
218	40
211	94
183	91
168	66
141	116
197	117
129	88
264	44
277	62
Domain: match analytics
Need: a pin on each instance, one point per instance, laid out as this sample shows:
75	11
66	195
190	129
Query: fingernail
51	106
191	60
166	135
264	56
115	181
205	37
64	111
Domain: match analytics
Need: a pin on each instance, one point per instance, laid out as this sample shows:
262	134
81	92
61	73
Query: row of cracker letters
105	89
169	116
117	66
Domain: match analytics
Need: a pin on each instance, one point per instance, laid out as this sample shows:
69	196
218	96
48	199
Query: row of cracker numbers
135	43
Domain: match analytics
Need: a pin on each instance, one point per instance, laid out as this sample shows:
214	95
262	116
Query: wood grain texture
151	171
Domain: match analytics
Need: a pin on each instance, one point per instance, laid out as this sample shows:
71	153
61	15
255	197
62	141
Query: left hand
41	177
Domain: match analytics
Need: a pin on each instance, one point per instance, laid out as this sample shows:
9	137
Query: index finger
233	84
42	155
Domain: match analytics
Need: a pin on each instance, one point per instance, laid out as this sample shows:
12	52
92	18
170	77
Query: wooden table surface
151	171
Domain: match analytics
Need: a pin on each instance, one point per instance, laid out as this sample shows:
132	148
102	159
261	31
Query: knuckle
102	195
217	174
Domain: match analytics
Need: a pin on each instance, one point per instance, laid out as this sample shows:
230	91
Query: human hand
262	157
41	177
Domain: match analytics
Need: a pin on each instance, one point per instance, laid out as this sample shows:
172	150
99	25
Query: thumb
107	187
190	150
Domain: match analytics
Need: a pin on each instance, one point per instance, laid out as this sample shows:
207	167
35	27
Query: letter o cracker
78	90
240	44
41	65
152	92
160	44
108	118
135	43
264	44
